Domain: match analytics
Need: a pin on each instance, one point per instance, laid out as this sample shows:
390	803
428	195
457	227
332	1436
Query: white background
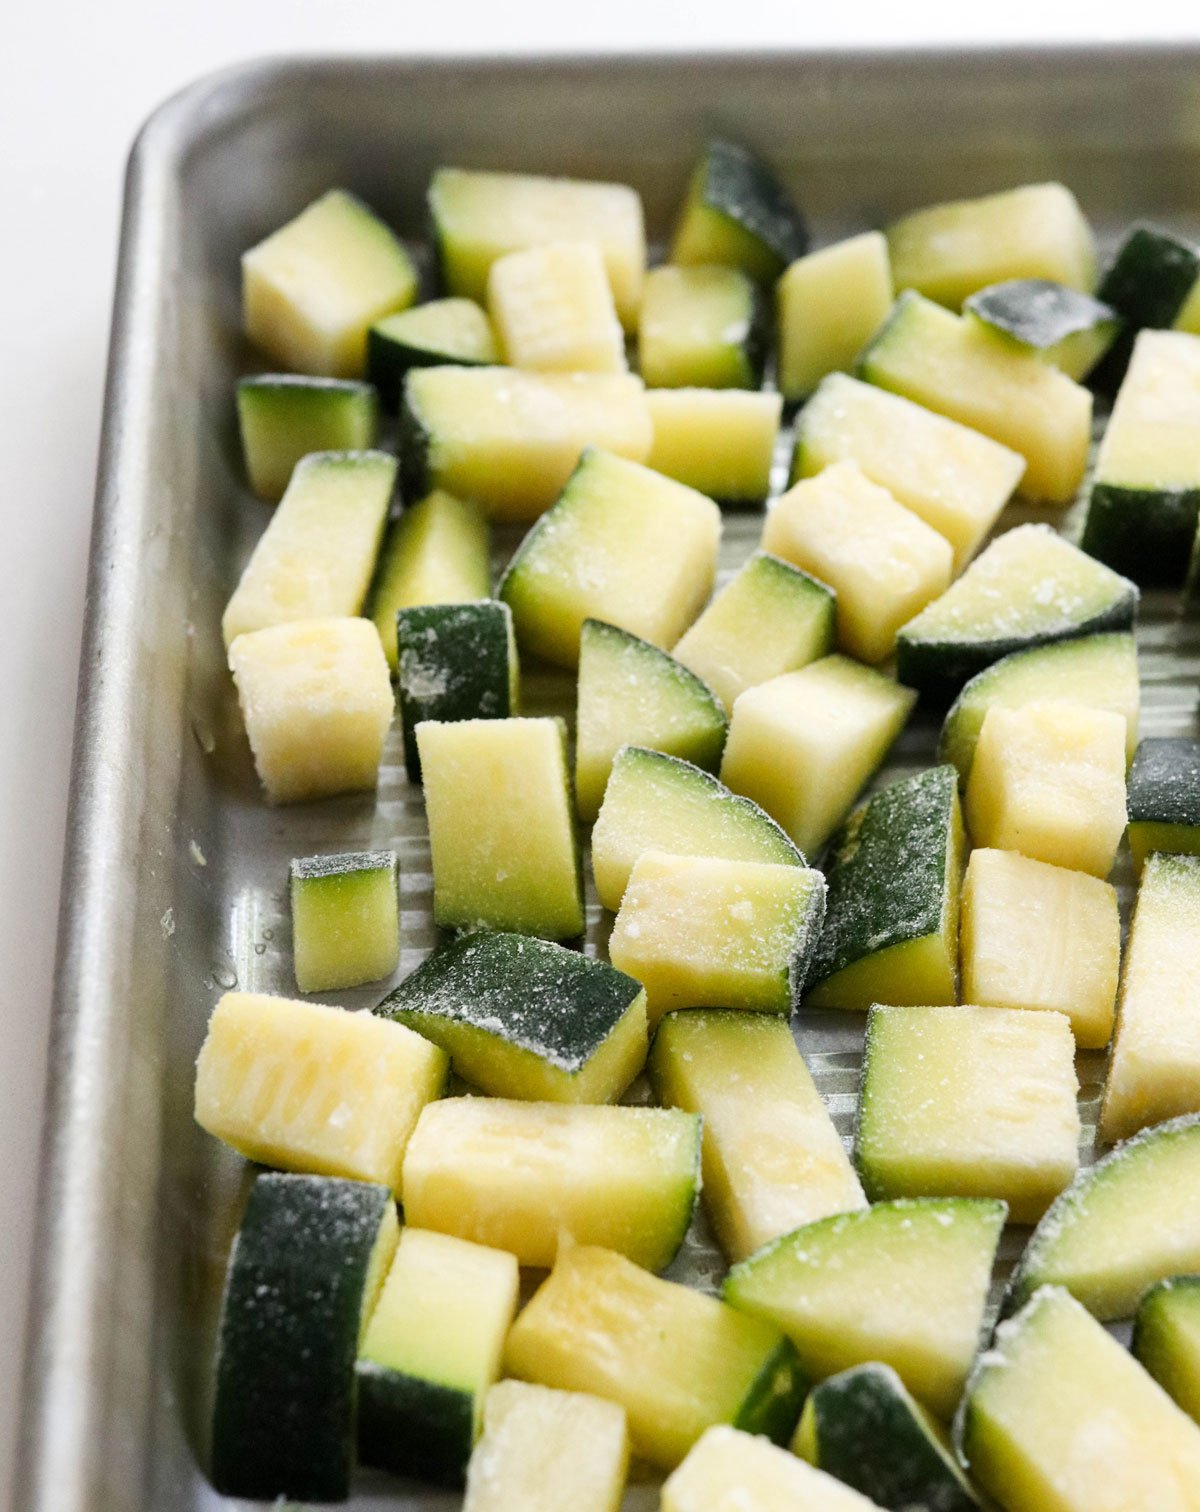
76	80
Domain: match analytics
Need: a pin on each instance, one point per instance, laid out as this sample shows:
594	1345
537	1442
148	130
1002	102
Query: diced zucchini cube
830	303
283	418
345	919
444	331
554	311
1166	1339
701	327
1164	799
728	1469
719	441
1064	327
1154	280
737	213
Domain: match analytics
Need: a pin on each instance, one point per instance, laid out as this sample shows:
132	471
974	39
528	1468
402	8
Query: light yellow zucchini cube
553	310
1048	780
883	562
830	303
701	327
720	441
1040	936
729	1470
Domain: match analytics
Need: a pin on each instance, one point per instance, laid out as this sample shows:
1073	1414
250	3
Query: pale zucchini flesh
701	327
345	919
718	441
728	1468
830	303
553	310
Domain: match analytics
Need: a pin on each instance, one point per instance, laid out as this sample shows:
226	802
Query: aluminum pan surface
174	873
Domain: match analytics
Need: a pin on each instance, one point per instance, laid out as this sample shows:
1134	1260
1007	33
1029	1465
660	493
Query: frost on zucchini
345	919
830	303
1164	799
283	417
728	1468
738	214
1063	326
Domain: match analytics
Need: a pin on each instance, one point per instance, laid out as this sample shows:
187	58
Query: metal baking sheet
175	874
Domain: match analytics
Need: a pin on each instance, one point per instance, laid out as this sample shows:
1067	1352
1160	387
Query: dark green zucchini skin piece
773	1403
1037	312
283	1417
1164	782
1147	283
738	183
411	1427
1145	533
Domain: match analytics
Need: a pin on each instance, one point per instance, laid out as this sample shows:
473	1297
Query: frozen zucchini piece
543	1450
1059	1418
316	700
283	417
738	214
1153	281
531	1177
1154	1067
719	441
891	920
657	802
804	744
950	476
444	331
306	1087
453	662
345	919
501	832
771	1157
623	545
948	364
925	1265
829	304
432	1349
1043	937
478	217
1064	327
631	693
1128	1221
554	311
883	563
729	1469
863	1427
705	932
968	1102
435	553
701	327
1028	588
524	1018
949	251
1166	1339
1164	799
677	1360
1048	780
317	555
511	440
1100	671
303	1275
312	289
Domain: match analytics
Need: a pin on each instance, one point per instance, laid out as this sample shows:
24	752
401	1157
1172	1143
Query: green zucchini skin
1164	782
736	182
1147	283
283	1417
772	1405
1037	312
413	1427
1145	533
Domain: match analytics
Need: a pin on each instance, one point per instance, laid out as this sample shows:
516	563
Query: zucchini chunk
1166	1339
1100	671
631	693
283	418
543	1450
313	289
1154	281
891	922
719	441
455	332
948	364
316	700
306	1087
453	662
702	327
968	1102
1128	1221
1028	588
1059	1418
1064	327
432	1349
345	919
1145	497
554	311
435	553
1164	799
523	1018
526	1177
623	545
1042	937
728	1469
501	833
804	744
1154	1068
677	1360
830	303
770	618
949	476
303	1276
701	932
511	440
738	214
883	563
657	802
1048	780
478	217
317	555
771	1157
925	1265
863	1427
948	252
